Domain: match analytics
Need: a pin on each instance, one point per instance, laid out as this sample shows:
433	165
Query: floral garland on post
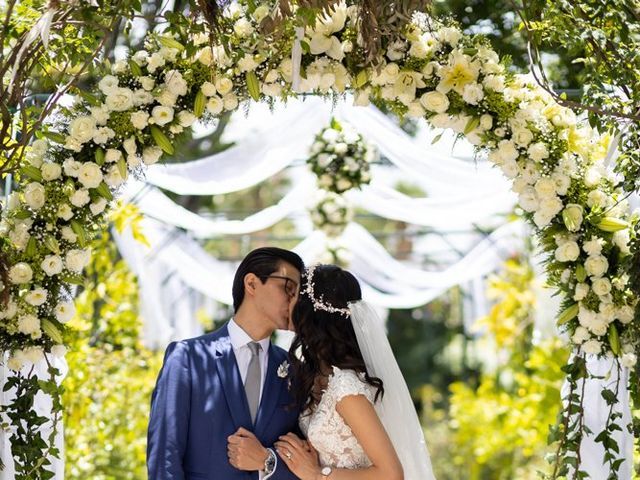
331	213
435	72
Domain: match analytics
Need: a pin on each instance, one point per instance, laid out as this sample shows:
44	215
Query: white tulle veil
396	410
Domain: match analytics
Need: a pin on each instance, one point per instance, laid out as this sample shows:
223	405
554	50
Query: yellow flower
460	71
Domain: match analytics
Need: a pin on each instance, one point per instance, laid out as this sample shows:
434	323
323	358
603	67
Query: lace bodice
336	444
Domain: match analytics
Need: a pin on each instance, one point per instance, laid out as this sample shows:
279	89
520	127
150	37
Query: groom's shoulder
202	341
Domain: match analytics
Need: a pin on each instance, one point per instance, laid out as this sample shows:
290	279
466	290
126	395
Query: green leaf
51	330
122	167
135	68
581	273
52	244
32	172
55	137
471	125
31	248
170	42
161	140
614	339
99	156
436	139
79	231
104	192
253	85
199	104
90	99
568	314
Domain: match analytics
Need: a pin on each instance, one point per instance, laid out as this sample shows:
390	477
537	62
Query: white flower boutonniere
283	370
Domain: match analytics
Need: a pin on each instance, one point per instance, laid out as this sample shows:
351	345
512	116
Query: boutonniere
283	369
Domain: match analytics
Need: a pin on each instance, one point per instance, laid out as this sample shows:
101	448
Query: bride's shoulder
344	382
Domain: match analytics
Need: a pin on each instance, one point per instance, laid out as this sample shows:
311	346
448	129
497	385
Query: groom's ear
250	283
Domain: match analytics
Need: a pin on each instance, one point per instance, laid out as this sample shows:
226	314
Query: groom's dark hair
262	262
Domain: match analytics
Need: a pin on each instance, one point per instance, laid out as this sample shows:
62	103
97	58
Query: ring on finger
288	455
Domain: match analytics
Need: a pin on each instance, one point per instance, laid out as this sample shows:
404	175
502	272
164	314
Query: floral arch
141	108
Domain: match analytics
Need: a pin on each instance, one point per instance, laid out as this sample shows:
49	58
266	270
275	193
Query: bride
357	413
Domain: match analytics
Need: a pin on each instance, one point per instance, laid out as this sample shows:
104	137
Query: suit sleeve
169	419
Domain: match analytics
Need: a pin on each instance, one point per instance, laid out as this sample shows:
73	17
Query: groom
220	399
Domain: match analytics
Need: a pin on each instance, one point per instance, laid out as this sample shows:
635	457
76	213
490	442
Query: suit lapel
232	383
270	393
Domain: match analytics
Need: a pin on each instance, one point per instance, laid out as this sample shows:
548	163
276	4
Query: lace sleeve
347	382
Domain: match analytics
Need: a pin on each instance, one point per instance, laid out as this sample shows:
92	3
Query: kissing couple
230	405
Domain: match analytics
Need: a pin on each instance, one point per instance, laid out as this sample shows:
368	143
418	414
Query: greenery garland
454	81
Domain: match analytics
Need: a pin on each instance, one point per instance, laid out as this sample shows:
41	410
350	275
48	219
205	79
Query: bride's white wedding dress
326	430
336	444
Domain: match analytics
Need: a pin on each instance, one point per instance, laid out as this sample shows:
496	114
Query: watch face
326	471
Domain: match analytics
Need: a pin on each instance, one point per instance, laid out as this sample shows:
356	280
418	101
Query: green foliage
111	375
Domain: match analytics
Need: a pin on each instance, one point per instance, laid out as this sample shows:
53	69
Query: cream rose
34	195
51	171
52	265
90	175
64	311
76	259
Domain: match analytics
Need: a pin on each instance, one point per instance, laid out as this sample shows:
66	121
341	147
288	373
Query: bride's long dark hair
324	339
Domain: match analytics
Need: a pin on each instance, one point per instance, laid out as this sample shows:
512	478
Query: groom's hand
245	451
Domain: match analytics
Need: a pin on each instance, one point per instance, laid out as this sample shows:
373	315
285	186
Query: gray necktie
252	382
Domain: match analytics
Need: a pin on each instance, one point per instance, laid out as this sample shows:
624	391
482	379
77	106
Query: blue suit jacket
199	400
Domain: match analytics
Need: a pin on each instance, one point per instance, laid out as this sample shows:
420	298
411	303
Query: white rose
510	169
596	265
82	128
550	206
230	101
538	152
34	354
545	187
582	290
130	145
76	259
51	171
597	198
65	311
80	198
167	98
52	265
71	167
592	177
16	361
472	93
36	297
98	206
90	175
34	195
592	346
162	115
65	212
139	119
112	155
147	83
208	89
435	102
271	89
601	286
567	252
142	97
450	35
215	105
593	246
9	311
343	184
58	351
562	181
69	235
528	200
108	84
113	177
100	114
28	324
494	82
243	28
175	82
223	85
151	155
103	135
625	314
580	335
247	63
621	240
186	118
572	216
522	136
629	360
119	100
20	236
542	218
155	61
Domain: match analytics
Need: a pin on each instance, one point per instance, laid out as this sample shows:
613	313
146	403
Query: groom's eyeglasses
290	287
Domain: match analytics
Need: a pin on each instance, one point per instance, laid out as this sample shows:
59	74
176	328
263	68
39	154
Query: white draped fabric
42	406
596	413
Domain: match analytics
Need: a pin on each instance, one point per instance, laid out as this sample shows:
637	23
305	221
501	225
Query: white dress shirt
239	342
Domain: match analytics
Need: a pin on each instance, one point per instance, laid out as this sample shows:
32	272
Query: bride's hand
299	456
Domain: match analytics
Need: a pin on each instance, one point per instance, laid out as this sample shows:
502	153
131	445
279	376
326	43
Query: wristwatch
270	462
325	472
